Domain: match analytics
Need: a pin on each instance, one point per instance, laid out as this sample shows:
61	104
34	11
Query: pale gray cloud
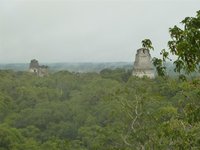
80	30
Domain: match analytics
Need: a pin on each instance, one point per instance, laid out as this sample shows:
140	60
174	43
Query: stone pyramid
142	65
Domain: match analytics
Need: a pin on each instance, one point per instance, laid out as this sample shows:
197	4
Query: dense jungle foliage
88	111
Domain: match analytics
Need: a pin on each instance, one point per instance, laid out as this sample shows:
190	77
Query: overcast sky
86	30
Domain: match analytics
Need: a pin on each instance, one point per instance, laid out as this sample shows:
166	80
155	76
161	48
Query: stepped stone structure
38	70
142	65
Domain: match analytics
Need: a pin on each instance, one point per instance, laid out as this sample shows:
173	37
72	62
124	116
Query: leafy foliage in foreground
89	111
184	44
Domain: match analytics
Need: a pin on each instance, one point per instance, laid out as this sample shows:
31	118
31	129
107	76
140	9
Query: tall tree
184	44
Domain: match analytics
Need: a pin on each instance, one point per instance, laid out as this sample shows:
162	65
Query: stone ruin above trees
142	65
38	70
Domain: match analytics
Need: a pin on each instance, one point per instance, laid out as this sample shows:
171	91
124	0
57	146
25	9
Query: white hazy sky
86	30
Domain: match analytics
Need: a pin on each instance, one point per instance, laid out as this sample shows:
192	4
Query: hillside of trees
111	110
72	67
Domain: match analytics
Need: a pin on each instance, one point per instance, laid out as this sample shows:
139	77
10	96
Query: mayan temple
142	65
38	70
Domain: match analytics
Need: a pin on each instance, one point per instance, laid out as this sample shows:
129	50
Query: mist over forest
72	67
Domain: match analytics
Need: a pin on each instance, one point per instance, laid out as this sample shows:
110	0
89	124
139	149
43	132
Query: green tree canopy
184	45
